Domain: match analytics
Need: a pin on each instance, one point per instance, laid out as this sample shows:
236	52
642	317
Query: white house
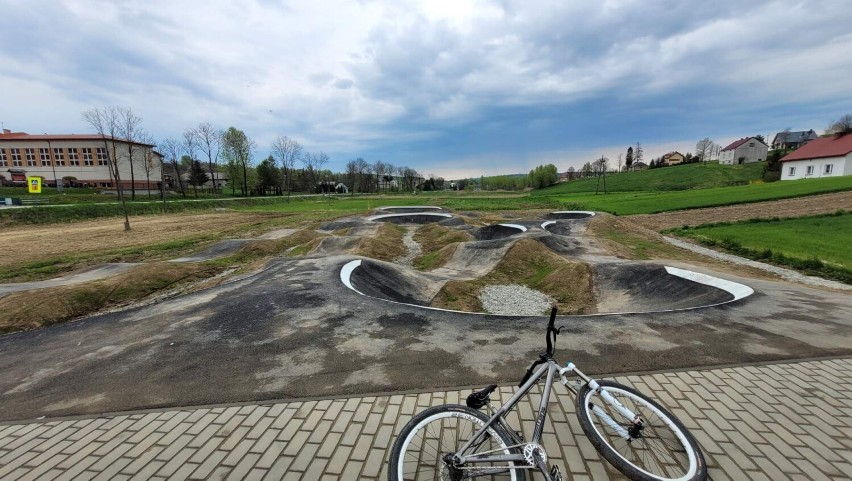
744	151
823	157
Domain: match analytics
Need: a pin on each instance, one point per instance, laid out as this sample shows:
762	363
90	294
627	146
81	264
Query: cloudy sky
450	87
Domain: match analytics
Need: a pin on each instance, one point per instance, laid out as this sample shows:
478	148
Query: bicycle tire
433	424
664	450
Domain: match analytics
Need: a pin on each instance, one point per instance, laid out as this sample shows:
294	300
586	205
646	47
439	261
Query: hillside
678	177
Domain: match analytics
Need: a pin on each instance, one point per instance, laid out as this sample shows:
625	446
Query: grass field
677	177
818	244
626	203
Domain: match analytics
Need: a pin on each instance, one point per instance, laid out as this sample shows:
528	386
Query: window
751	144
810	170
4	162
792	171
102	156
829	168
58	156
73	158
44	153
87	156
16	157
31	160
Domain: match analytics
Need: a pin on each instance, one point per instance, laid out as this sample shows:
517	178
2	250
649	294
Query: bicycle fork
600	413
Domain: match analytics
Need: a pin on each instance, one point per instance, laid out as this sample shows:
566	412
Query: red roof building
823	157
744	151
79	160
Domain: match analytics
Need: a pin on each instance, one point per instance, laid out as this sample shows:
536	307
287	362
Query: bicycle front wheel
421	449
659	449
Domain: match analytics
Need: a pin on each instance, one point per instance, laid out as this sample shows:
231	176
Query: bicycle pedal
555	474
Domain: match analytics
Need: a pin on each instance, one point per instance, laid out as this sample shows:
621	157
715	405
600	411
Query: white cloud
348	77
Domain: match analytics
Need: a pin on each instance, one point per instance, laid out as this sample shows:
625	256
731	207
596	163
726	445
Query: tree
148	159
209	140
638	154
268	175
197	175
628	161
772	168
704	149
587	170
170	148
620	161
288	152
600	167
843	125
237	149
188	148
106	122
129	129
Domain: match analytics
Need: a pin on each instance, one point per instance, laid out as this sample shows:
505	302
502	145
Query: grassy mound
386	245
438	243
531	264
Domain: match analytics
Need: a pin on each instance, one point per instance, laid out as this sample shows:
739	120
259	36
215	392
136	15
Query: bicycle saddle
480	398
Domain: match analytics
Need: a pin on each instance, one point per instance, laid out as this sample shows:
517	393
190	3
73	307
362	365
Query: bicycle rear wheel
419	450
663	450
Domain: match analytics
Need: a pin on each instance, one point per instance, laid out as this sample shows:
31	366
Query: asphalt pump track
296	329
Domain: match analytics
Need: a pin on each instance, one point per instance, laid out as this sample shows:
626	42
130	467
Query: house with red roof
744	151
824	157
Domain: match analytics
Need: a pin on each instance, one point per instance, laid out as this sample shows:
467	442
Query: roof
737	143
671	154
798	136
25	137
833	146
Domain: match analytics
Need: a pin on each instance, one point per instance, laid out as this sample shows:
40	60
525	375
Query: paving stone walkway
770	422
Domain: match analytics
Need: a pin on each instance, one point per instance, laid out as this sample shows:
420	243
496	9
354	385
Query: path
780	422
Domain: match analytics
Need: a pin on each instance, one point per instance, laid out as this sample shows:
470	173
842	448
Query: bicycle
632	432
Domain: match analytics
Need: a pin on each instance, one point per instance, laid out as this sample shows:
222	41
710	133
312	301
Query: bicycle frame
551	369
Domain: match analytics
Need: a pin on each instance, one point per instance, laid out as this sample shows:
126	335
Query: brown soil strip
810	205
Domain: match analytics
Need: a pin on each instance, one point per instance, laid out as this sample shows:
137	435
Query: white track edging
591	213
409	207
739	291
515	226
386	216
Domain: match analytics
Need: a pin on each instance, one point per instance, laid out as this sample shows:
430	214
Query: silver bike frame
551	368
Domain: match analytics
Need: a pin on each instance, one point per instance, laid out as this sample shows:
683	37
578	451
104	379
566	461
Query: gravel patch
786	274
514	300
412	248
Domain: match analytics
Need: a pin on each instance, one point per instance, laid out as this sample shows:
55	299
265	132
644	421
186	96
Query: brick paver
780	421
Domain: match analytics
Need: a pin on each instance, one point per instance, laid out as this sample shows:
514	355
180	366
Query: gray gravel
412	247
786	274
514	300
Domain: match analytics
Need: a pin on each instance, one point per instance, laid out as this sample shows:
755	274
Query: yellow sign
35	184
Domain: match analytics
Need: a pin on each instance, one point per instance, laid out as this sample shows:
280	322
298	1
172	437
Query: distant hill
676	177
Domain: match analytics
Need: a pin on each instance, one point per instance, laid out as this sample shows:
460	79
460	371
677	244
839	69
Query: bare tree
379	168
361	167
171	150
704	149
620	161
320	160
148	166
843	125
288	152
600	167
106	123
209	140
129	128
188	146
638	153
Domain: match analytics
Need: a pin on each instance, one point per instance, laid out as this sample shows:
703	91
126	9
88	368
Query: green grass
677	177
626	203
814	244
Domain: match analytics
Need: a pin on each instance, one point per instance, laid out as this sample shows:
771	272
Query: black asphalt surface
294	330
